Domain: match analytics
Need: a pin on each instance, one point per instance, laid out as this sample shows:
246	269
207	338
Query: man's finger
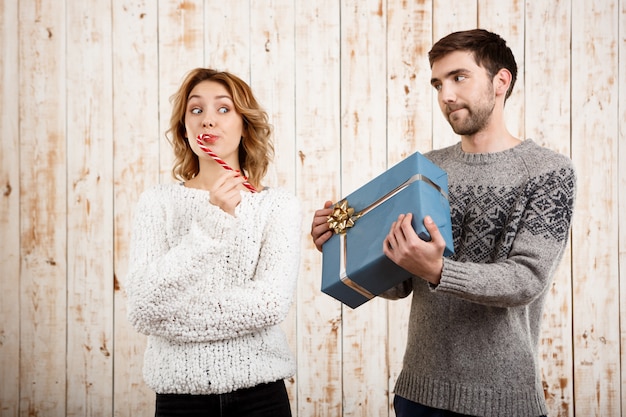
433	230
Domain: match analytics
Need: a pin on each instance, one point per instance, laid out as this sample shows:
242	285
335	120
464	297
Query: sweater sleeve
188	309
260	302
538	242
160	272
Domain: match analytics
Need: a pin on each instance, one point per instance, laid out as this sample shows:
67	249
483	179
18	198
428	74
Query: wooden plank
317	121
272	65
181	28
409	129
136	167
363	156
447	19
507	19
227	36
595	237
9	212
90	211
42	282
622	198
410	109
548	123
272	80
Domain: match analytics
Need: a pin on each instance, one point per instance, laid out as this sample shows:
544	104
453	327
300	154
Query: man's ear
502	81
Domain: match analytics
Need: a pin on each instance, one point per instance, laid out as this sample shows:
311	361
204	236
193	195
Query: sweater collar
488	158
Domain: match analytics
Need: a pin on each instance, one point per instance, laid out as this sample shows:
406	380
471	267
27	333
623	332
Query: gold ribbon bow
342	217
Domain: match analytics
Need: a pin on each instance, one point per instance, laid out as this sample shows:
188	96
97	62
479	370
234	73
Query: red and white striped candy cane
205	149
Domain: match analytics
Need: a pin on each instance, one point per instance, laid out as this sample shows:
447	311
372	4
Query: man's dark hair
489	50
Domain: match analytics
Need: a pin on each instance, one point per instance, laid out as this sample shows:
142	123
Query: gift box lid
414	185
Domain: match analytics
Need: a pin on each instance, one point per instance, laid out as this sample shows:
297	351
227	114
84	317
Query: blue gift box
355	269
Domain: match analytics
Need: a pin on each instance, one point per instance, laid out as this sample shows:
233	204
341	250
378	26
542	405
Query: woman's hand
225	192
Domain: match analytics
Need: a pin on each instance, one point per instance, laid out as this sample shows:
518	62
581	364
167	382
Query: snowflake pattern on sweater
210	289
472	340
491	216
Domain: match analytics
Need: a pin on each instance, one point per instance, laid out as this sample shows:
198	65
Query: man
475	317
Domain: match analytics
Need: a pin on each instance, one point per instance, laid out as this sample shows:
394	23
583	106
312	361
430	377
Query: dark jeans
264	400
407	408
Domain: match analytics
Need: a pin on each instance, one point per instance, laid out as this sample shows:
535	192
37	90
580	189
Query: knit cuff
454	277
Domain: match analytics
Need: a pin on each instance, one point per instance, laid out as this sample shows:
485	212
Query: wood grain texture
89	210
621	191
227	36
9	212
136	134
43	203
548	122
594	239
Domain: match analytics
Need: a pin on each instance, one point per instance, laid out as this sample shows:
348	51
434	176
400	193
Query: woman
213	265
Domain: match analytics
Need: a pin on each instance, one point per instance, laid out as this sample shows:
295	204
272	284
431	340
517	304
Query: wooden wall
83	108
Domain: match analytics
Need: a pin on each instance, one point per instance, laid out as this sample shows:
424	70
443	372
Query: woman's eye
222	110
196	110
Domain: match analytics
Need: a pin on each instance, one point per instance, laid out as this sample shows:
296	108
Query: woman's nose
208	122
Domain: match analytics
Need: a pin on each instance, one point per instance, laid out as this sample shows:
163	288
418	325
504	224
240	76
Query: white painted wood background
83	108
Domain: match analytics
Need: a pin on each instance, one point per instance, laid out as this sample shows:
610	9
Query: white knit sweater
210	289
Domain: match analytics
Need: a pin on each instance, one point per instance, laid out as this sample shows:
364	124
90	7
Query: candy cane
205	149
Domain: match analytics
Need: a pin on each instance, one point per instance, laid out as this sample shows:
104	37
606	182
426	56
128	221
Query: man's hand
405	248
320	228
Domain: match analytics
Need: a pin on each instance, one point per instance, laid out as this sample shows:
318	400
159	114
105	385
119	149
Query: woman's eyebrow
217	97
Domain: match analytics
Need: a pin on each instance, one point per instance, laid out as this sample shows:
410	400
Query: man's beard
477	118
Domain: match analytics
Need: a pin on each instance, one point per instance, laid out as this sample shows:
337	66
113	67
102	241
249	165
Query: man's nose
447	94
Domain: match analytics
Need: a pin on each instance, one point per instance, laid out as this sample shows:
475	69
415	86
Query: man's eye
437	87
196	110
459	78
222	110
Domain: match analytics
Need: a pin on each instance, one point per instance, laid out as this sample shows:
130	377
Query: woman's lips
208	138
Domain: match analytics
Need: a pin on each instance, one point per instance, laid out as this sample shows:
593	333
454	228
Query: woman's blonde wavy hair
256	149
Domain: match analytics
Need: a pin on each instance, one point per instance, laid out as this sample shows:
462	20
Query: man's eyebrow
450	74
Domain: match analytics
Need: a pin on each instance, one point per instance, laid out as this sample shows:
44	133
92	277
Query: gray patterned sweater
472	340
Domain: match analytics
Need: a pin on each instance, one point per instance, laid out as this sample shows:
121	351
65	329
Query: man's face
465	92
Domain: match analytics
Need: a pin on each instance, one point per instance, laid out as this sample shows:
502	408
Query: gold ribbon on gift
343	275
343	217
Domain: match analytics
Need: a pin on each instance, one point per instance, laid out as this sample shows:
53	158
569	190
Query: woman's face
211	112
